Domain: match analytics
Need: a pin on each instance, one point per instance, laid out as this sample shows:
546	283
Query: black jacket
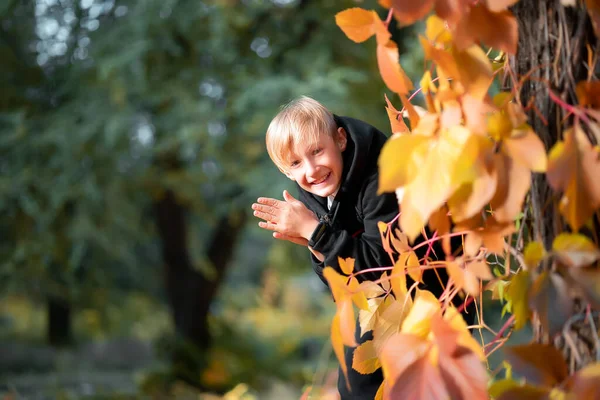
350	230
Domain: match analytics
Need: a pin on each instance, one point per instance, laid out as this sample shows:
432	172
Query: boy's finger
268	201
268	225
265	216
288	197
264	208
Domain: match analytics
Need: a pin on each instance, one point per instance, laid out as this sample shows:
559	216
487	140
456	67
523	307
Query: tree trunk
59	321
189	291
551	56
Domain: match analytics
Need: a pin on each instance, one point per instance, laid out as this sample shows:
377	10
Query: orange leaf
436	30
440	222
527	148
396	121
400	352
365	359
421	380
474	70
452	10
409	11
464	375
413	267
588	93
465	339
593	7
347	322
389	67
514	180
338	345
399	280
586	382
496	29
346	265
574	167
539	364
463	279
357	23
499	5
480	269
413	115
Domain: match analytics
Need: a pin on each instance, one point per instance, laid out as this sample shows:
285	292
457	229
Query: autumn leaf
514	181
365	359
499	5
436	30
357	23
525	147
396	121
574	167
465	339
593	8
539	364
418	320
398	280
525	392
533	254
588	93
410	261
575	250
394	173
586	382
491	237
389	67
550	298
409	11
443	168
464	375
474	70
517	295
496	29
338	346
346	265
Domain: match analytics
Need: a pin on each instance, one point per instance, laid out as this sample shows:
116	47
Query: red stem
389	17
498	336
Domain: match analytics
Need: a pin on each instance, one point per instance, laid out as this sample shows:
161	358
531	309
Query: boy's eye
295	163
317	151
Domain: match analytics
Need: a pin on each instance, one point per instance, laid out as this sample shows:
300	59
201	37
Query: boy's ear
342	138
288	175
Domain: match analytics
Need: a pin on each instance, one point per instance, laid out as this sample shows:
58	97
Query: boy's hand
289	218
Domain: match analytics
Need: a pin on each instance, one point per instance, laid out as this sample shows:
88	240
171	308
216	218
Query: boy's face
318	169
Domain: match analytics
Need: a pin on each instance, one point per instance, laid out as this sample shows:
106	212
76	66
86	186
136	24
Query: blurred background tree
131	147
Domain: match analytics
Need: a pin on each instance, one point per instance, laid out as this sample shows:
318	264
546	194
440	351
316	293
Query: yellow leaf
379	394
444	168
575	250
436	30
346	265
338	344
389	67
475	70
418	320
527	148
365	359
357	23
588	93
518	295
573	168
347	322
394	171
399	280
533	254
465	339
413	267
499	126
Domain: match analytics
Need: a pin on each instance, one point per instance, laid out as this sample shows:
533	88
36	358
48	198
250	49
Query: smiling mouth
322	180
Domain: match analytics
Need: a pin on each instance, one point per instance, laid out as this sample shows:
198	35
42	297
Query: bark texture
552	55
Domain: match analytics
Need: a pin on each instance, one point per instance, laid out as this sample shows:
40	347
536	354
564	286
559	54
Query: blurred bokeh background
131	149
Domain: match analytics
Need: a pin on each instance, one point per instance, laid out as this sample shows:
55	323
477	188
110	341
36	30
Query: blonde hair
300	122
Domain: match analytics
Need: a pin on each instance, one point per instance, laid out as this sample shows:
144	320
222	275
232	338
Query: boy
333	160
